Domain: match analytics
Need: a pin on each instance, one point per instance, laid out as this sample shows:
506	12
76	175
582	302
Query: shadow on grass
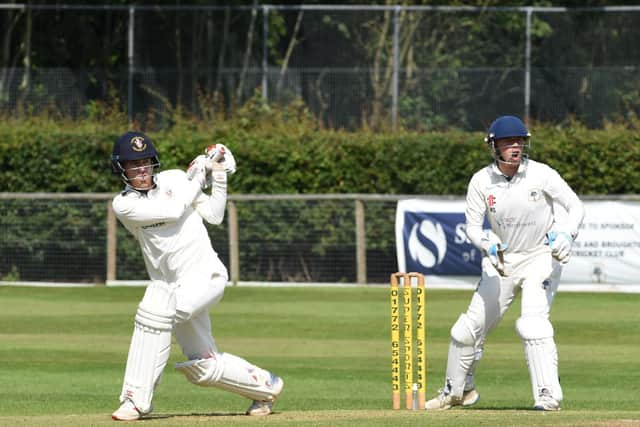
507	408
200	414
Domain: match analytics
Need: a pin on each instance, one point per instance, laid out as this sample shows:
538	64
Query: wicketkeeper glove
496	256
494	250
560	244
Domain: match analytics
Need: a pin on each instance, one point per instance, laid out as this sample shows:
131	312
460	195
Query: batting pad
461	355
234	374
150	345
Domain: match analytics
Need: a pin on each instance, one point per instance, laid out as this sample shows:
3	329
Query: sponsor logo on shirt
156	225
491	202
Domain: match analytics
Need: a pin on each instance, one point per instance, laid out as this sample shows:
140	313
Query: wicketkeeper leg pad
461	355
150	345
470	383
234	374
541	353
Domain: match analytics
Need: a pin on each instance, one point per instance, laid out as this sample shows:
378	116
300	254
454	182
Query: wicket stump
402	316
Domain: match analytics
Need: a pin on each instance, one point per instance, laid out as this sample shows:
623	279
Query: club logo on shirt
138	144
491	202
534	195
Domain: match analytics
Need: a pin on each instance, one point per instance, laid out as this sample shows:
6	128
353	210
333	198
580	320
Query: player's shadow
197	414
504	408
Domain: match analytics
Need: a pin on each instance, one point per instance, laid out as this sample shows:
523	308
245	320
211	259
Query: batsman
524	252
165	212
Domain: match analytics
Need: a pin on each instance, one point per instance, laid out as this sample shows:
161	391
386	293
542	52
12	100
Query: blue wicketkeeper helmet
507	127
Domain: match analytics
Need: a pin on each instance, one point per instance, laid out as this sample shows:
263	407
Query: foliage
279	150
454	68
282	150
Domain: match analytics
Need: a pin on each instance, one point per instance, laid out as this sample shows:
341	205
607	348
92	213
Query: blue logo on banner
437	243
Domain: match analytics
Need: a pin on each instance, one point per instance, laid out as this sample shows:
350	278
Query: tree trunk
383	59
223	51
179	65
247	51
292	44
25	85
209	52
8	63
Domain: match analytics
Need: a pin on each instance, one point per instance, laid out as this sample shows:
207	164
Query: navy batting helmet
132	146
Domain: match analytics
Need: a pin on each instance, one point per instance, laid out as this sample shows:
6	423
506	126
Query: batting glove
197	171
222	154
560	244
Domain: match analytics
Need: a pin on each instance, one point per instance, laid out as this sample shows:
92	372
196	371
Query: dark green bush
280	151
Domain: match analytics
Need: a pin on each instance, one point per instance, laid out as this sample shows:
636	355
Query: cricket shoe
127	412
442	402
470	397
546	402
260	408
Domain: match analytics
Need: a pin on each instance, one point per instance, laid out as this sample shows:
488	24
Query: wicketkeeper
524	252
165	212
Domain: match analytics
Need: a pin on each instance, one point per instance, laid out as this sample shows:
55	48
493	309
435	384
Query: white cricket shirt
521	210
168	223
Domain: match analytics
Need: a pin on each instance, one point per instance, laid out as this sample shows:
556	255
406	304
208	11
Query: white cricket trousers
193	324
536	275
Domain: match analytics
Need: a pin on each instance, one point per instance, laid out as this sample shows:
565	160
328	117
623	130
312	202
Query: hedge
278	151
286	154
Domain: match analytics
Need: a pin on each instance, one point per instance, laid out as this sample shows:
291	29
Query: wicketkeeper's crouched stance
523	252
165	212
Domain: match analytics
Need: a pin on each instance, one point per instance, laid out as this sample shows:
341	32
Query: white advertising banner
431	239
607	249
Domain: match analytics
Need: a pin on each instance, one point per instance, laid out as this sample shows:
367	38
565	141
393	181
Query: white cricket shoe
546	402
442	402
470	397
127	412
260	408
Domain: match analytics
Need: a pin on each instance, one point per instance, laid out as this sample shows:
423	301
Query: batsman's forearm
191	193
211	208
147	211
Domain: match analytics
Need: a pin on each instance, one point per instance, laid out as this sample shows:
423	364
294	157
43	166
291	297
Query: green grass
62	356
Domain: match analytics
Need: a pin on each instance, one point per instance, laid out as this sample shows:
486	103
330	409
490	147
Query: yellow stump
395	341
402	354
421	343
407	325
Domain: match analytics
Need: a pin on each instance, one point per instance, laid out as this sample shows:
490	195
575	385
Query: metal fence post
265	53
396	67
130	59
361	244
527	68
